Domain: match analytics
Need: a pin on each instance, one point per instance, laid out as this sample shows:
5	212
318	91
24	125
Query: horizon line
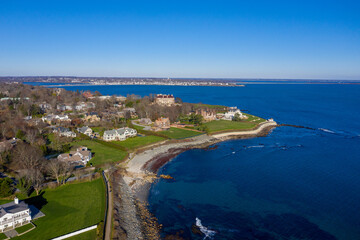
188	78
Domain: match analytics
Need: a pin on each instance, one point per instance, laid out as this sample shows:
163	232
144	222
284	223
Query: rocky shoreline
132	220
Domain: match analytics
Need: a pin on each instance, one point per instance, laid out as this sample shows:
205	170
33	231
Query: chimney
16	200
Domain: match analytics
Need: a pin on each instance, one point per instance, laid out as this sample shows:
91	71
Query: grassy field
90	235
135	142
224	125
100	130
102	154
2	236
178	133
67	209
255	119
24	228
4	201
200	105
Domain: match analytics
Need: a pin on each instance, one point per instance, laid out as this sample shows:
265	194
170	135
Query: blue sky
225	39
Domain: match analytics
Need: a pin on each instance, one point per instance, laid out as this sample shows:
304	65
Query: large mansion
14	214
119	134
165	100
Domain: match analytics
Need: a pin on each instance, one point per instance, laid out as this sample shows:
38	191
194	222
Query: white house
50	117
63	107
84	105
14	214
85	130
65	132
129	132
45	106
119	134
232	112
80	155
110	135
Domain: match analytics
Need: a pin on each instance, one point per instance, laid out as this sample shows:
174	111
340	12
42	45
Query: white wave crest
208	233
256	146
326	130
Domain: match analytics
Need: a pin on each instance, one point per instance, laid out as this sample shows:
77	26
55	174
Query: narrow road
146	128
109	207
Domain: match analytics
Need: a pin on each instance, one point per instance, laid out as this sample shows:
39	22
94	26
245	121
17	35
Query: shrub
6	188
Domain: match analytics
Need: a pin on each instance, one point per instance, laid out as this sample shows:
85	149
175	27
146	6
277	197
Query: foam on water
208	233
326	130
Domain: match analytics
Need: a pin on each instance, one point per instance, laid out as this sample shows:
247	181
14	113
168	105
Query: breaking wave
256	146
208	233
277	145
326	130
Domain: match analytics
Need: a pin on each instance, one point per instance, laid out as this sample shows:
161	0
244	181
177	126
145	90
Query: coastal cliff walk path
109	207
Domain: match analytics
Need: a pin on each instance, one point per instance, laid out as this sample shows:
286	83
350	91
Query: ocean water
296	183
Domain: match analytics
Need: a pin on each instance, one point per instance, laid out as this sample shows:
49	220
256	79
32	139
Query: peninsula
51	137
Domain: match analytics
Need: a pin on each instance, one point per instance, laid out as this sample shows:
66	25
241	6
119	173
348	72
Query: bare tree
67	172
28	157
31	135
37	179
55	169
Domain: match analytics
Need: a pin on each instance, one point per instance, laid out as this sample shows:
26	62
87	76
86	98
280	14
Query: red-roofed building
87	94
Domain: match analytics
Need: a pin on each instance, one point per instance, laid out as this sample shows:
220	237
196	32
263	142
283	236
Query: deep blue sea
295	183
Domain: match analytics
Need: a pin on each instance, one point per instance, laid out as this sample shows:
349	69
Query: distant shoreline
127	84
221	84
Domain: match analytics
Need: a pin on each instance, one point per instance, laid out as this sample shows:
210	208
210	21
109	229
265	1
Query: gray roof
120	131
12	208
61	129
83	129
109	132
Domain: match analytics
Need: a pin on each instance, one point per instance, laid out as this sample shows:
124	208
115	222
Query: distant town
61	81
125	81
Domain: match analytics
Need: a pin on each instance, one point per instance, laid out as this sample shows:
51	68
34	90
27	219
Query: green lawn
2	236
90	235
135	142
136	127
24	228
101	153
255	119
200	105
224	125
67	209
100	130
51	137
4	201
178	133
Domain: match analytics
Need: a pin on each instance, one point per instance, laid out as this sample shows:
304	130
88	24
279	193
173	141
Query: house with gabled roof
232	112
85	130
81	155
161	124
65	132
119	134
92	117
14	214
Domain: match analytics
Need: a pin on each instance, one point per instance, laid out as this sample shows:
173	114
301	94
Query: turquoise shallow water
293	184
